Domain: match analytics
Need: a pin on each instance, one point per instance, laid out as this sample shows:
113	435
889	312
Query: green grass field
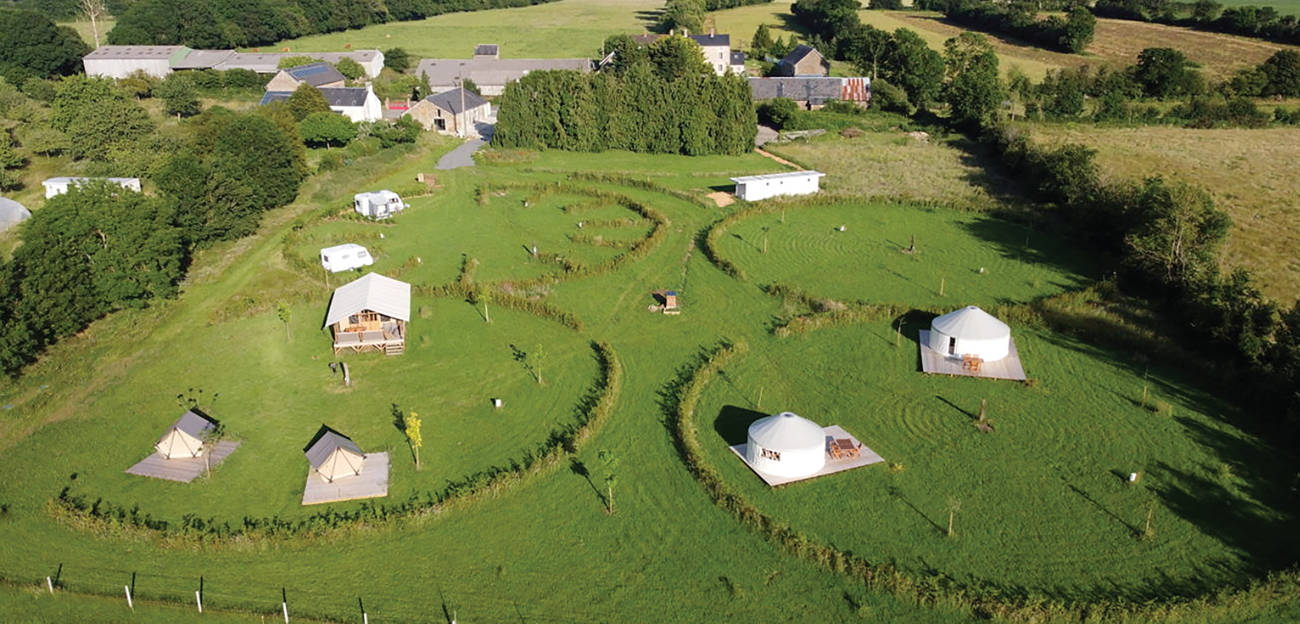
543	548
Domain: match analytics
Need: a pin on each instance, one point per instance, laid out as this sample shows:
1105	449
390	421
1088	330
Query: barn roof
373	292
451	100
800	89
135	52
778	176
315	74
798	53
202	59
487	71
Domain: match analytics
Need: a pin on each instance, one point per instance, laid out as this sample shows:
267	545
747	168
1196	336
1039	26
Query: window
771	454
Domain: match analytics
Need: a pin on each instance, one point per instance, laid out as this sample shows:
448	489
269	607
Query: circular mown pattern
1040	502
973	257
273	392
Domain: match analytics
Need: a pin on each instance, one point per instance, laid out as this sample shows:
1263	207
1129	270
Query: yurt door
952	346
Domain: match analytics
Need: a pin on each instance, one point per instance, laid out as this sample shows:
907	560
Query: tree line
225	24
689	15
32	46
661	98
1071	33
1263	22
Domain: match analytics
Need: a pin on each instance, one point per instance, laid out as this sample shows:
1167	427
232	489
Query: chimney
712	31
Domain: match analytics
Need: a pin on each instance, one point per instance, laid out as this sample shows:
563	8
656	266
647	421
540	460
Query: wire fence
301	598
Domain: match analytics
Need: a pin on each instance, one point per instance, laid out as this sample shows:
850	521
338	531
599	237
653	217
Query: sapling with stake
953	506
611	478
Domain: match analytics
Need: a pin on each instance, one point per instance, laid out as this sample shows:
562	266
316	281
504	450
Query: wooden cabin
370	314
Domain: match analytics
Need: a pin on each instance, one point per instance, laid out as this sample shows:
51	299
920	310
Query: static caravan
757	187
345	257
378	204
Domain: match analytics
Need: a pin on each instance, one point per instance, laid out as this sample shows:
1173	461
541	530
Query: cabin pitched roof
373	292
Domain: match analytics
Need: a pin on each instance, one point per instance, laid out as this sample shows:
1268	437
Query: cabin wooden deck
937	363
183	470
371	483
865	457
390	341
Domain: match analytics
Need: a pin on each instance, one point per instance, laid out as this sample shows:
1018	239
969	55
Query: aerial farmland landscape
454	311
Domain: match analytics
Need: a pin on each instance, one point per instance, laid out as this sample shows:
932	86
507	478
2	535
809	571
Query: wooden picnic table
843	447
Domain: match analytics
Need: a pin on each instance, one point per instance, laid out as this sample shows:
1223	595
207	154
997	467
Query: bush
778	113
890	98
350	68
397	59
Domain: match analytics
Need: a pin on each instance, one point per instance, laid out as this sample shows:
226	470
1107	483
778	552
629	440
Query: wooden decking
390	342
371	483
937	363
865	457
182	470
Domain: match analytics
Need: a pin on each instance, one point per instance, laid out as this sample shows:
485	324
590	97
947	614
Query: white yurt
184	439
334	456
12	213
970	331
786	445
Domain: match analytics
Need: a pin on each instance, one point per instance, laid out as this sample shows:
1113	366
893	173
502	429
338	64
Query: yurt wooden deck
937	363
837	460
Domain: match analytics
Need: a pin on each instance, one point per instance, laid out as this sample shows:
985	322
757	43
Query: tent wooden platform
371	483
866	457
182	470
937	363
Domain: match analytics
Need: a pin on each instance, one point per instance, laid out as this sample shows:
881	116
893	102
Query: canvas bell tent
786	445
970	331
185	438
370	314
333	455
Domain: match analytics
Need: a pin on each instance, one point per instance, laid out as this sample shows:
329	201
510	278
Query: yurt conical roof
970	323
786	430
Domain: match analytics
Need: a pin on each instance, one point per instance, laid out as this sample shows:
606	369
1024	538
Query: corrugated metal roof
785	175
202	59
134	52
373	292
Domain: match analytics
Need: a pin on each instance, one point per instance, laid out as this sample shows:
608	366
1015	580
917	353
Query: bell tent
970	331
786	445
333	455
184	439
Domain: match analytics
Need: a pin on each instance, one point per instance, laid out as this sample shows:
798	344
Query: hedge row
592	411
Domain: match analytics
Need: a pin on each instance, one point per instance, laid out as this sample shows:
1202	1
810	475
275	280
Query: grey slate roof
492	72
737	57
450	100
814	90
195	423
316	74
486	49
134	52
711	40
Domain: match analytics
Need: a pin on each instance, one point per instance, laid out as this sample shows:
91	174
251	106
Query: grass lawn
544	549
1249	172
1042	502
866	261
568	28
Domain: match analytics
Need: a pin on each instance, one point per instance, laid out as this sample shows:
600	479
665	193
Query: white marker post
128	597
198	599
49	584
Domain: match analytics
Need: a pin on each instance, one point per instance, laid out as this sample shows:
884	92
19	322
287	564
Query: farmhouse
318	75
355	103
12	213
377	204
488	70
370	314
452	112
333	455
60	185
185	438
812	92
803	61
345	257
716	49
786	445
114	61
757	187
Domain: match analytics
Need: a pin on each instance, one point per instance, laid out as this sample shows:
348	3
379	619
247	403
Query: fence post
284	604
365	619
198	595
49	584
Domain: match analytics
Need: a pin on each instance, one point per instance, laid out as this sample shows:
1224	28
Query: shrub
778	113
888	97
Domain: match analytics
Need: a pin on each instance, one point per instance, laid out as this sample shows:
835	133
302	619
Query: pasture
542	547
1250	173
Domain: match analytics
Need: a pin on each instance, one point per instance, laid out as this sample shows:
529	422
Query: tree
684	15
1179	235
912	65
887	97
327	129
677	56
33	46
306	100
93	10
411	424
778	113
627	52
1080	24
761	44
867	48
397	59
285	314
1164	72
43	140
611	477
290	62
975	93
537	358
1283	73
954	506
9	156
350	68
180	96
193	23
95	117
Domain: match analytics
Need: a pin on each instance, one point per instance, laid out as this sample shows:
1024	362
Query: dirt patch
722	199
776	158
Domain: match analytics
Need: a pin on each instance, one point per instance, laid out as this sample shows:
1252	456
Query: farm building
60	185
333	455
488	70
112	61
452	112
185	438
355	103
319	75
812	92
970	331
12	213
378	204
803	60
715	48
756	187
370	314
345	257
786	445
